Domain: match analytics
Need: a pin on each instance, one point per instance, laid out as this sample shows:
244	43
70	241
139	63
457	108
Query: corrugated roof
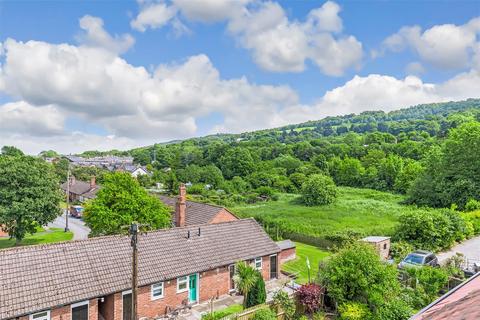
196	212
38	277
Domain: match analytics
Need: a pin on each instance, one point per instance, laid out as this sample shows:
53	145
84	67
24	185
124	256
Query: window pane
41	315
157	289
80	312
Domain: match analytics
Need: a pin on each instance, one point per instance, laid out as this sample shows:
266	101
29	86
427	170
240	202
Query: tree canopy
29	194
121	201
319	190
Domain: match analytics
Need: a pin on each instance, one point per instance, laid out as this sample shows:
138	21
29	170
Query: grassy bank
299	265
361	210
43	236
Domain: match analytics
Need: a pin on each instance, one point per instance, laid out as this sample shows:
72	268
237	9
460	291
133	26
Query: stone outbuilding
382	245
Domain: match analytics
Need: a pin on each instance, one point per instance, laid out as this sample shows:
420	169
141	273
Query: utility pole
68	198
134	233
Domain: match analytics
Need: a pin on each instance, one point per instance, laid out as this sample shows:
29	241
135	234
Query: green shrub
400	249
431	229
319	190
265	314
257	294
287	305
428	281
472	205
473	217
354	311
196	189
396	309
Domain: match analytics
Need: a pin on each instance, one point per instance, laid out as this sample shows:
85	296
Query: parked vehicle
419	258
76	211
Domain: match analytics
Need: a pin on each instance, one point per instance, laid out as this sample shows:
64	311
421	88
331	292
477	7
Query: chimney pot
181	206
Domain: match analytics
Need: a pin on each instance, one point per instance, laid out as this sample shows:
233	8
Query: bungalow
81	190
91	279
187	213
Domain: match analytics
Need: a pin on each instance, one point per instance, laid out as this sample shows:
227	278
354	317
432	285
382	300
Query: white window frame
79	304
47	316
182	281
156	286
257	260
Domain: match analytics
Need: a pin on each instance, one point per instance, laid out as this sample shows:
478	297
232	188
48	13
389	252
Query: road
77	226
469	248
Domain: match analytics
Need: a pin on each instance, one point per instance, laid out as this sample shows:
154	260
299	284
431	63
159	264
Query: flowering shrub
310	297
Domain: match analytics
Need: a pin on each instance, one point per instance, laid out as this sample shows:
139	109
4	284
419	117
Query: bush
309	296
265	314
319	190
287	305
257	295
431	229
354	311
265	192
355	273
472	205
396	309
196	189
473	218
428	282
399	250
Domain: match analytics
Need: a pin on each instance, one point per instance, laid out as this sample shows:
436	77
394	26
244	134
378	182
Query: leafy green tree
121	201
347	172
11	151
298	179
237	162
355	273
319	190
48	154
431	229
288	162
285	304
29	195
212	175
264	314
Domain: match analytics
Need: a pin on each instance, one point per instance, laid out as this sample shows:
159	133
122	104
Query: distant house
188	213
381	245
460	303
91	279
81	190
135	171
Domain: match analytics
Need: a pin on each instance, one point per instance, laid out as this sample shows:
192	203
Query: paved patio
225	301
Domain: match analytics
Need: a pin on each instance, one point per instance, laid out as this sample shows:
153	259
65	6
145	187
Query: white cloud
96	36
153	15
277	43
129	101
281	45
21	117
446	46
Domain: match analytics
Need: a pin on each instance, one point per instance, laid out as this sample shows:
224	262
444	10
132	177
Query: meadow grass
299	265
367	211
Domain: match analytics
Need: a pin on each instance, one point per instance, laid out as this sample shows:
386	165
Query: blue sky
221	66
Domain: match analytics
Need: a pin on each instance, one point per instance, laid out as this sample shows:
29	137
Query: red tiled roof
39	277
461	303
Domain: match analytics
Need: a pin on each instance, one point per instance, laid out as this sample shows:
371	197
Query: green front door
192	288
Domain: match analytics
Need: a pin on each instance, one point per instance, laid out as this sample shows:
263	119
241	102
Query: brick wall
223	216
286	255
65	312
214	283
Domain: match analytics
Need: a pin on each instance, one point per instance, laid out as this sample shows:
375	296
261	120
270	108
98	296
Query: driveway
77	226
469	248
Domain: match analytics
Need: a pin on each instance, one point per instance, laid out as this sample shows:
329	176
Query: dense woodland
426	151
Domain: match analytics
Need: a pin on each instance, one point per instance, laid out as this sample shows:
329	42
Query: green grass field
299	265
43	236
363	210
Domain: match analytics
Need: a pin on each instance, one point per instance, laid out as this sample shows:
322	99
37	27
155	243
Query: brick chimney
181	206
93	182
